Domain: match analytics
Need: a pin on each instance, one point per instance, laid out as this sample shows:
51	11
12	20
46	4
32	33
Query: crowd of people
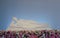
30	34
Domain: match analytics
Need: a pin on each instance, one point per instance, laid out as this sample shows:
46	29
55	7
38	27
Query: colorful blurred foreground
30	34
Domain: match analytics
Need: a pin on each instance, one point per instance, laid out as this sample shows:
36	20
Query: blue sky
42	11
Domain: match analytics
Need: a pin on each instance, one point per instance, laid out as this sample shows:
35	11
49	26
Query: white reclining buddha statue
21	24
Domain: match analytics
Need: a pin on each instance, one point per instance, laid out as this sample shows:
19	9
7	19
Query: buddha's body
17	25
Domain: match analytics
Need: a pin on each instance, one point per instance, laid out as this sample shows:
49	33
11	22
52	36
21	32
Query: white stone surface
21	24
